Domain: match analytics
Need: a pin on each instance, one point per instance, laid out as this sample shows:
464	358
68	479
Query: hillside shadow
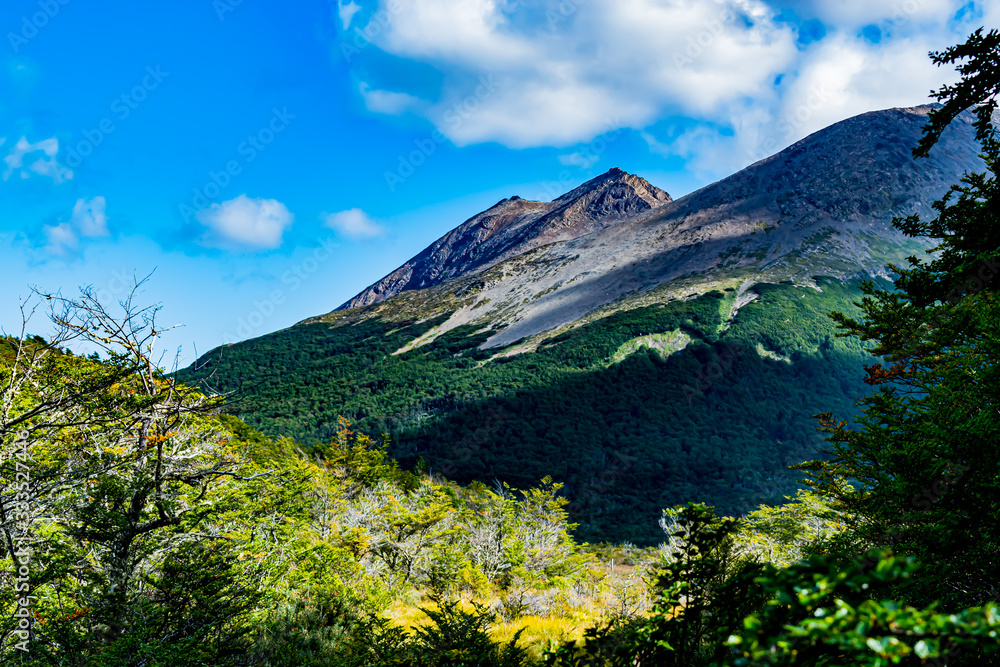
713	423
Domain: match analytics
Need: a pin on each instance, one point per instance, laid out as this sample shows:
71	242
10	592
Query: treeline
150	530
141	526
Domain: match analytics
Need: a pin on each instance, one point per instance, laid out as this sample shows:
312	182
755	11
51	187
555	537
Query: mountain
514	226
644	351
824	205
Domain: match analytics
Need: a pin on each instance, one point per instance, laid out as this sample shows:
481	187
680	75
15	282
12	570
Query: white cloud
353	223
89	220
579	160
61	239
90	217
388	102
245	224
347	12
559	72
27	158
450	31
991	13
851	77
839	78
561	79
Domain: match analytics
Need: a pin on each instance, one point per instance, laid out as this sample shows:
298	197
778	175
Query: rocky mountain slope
822	206
514	226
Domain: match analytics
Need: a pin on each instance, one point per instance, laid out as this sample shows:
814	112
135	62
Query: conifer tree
921	471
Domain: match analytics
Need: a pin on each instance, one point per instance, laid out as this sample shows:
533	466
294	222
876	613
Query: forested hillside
146	528
634	412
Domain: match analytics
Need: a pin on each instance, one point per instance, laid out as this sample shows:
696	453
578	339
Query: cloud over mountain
754	75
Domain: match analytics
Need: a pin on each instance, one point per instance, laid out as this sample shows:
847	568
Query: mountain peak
650	193
514	226
845	181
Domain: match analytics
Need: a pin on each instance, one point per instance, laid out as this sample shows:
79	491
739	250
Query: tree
704	590
978	87
924	454
781	535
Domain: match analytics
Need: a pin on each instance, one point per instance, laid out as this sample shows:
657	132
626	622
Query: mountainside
514	226
644	351
822	206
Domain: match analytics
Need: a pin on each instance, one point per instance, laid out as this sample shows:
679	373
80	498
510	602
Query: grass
602	594
538	633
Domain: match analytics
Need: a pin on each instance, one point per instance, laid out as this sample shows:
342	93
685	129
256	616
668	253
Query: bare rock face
514	226
859	168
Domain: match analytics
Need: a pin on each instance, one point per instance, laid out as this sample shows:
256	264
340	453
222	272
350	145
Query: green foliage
716	609
783	534
194	611
457	638
372	641
362	461
304	631
921	470
704	590
823	613
453	638
287	560
977	87
712	421
610	645
122	480
699	590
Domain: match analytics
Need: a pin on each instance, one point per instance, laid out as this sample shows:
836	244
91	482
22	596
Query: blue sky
266	161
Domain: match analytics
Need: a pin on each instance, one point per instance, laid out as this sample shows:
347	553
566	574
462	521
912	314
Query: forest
601	408
142	523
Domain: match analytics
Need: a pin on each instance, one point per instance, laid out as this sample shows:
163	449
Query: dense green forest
608	408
